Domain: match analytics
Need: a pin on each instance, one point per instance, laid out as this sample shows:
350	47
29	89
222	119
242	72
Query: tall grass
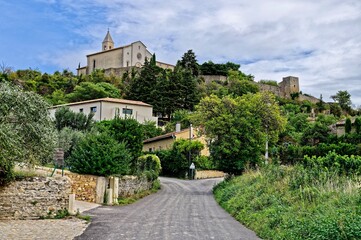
280	202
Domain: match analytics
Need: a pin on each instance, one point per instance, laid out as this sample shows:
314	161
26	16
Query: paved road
180	210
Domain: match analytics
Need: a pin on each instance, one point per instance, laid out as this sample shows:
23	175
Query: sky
318	41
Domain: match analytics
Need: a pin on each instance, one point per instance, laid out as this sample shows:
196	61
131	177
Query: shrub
64	117
175	162
100	154
332	161
149	165
128	131
280	202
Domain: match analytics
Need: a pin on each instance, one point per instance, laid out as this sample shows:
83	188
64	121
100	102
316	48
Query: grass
280	202
86	218
137	196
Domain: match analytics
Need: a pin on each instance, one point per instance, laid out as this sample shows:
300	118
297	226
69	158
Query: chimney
178	127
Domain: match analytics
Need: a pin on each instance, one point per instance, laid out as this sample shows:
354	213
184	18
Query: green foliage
269	82
203	163
101	155
290	154
89	90
67	140
343	98
176	162
210	68
64	117
348	126
341	164
150	130
358	125
238	127
127	131
315	134
280	202
189	62
149	165
26	130
335	109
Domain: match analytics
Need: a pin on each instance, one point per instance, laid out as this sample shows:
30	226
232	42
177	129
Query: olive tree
27	133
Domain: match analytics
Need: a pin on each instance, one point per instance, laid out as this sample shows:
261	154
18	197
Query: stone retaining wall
34	197
130	185
84	186
209	174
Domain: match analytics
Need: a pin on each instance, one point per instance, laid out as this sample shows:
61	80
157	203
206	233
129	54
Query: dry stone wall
34	197
130	185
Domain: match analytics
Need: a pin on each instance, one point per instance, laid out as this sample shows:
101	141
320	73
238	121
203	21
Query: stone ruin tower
289	85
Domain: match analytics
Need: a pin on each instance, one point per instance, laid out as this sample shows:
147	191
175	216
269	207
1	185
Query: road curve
181	210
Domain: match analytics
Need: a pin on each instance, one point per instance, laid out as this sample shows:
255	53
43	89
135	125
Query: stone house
166	141
108	108
339	127
118	60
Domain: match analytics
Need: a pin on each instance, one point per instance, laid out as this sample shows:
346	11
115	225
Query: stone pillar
114	185
71	208
109	195
100	190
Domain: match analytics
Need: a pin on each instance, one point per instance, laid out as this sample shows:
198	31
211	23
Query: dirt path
180	210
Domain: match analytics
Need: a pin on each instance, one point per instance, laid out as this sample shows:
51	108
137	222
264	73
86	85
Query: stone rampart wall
34	197
309	98
276	90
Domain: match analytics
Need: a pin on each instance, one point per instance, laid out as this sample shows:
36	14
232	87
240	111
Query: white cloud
318	41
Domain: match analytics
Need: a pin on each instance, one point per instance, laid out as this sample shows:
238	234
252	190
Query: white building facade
108	108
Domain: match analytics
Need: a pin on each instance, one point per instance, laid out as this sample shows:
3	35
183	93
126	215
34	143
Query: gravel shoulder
182	209
62	229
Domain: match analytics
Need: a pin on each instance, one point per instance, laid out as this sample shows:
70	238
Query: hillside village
126	125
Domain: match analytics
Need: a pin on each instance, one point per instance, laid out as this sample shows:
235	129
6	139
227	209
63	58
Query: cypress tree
348	126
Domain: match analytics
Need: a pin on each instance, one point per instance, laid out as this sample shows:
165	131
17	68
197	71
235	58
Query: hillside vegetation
296	202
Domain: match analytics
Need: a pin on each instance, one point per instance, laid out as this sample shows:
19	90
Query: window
94	64
127	63
110	47
93	109
105	47
150	149
127	111
80	110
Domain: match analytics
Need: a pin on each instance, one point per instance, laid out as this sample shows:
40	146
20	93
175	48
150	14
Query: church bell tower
107	42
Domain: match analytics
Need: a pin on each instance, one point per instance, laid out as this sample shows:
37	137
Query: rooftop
112	100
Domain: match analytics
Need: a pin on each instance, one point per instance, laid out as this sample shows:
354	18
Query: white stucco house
108	108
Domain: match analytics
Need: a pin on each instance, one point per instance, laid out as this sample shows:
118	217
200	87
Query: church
118	60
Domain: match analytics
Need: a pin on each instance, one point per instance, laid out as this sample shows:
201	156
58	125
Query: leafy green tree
348	126
26	131
189	62
144	87
150	130
88	91
335	109
127	130
101	155
237	128
64	117
343	98
315	134
321	106
210	68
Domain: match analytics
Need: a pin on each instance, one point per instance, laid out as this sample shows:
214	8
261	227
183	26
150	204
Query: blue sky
318	41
